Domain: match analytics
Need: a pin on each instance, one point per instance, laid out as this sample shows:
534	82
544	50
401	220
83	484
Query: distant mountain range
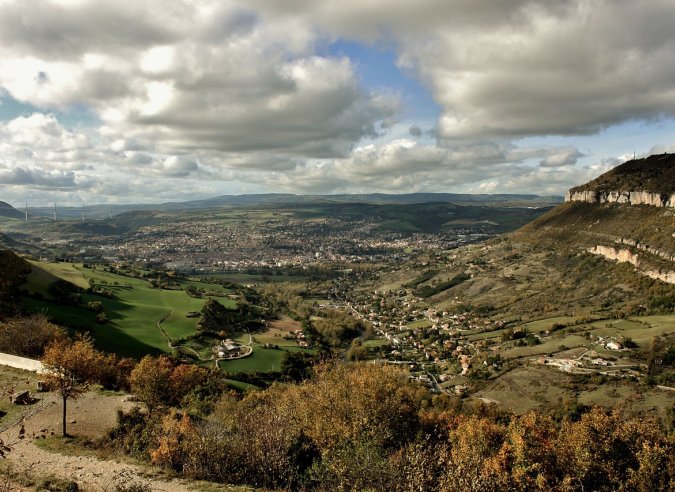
374	198
270	199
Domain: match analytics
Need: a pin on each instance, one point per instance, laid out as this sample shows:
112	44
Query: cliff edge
648	181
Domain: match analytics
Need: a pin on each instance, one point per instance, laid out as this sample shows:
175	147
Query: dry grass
285	324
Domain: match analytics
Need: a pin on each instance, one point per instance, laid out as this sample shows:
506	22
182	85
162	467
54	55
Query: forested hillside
14	270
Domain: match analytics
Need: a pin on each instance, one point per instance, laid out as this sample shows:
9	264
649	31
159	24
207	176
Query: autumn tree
71	366
28	336
357	402
357	351
184	379
161	383
150	381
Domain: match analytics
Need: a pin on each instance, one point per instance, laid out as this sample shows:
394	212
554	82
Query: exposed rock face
650	249
624	255
626	197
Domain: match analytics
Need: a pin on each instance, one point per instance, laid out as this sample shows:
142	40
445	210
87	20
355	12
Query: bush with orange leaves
175	433
362	427
161	383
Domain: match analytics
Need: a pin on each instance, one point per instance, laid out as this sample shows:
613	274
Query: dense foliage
14	270
216	318
28	336
365	427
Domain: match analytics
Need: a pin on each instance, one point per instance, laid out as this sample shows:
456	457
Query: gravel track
91	416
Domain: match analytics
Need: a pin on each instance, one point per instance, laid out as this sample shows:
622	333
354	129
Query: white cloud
37	178
405	166
243	92
520	67
190	76
39	139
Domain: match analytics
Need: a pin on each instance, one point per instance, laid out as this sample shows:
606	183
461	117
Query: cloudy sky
163	100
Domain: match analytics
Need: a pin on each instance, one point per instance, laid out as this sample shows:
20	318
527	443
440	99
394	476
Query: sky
137	101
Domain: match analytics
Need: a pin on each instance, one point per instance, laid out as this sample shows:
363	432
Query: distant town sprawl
210	246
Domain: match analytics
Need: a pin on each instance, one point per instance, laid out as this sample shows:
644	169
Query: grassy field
318	300
133	314
240	337
45	273
527	388
549	345
538	387
209	287
640	329
274	337
261	360
654	326
545	324
285	324
179	325
375	342
241	387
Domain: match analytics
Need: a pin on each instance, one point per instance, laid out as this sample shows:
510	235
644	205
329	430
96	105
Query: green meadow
45	273
376	343
132	315
261	360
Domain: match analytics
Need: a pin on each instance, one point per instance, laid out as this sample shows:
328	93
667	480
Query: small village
447	350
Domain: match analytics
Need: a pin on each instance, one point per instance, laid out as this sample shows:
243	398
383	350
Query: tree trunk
64	416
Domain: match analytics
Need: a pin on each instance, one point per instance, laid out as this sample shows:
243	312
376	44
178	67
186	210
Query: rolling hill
6	210
653	174
520	200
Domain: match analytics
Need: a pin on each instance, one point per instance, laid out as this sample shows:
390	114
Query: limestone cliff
648	181
625	255
624	197
625	215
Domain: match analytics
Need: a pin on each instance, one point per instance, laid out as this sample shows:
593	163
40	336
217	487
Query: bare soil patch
285	324
527	388
91	416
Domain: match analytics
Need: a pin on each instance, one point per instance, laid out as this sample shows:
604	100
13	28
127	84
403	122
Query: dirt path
159	325
91	416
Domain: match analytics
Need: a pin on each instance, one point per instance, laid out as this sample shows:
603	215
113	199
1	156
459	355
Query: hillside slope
655	174
6	210
556	265
625	214
14	270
